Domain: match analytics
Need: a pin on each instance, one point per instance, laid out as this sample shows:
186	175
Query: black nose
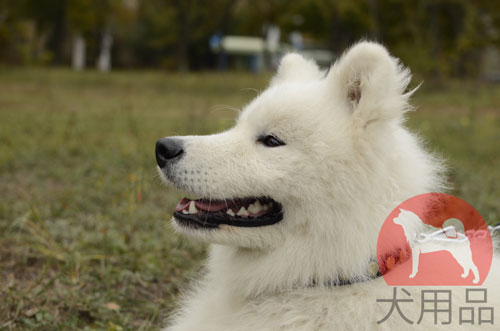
168	149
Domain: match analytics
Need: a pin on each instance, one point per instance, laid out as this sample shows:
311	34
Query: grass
83	236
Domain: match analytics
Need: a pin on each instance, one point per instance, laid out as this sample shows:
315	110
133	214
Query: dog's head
300	152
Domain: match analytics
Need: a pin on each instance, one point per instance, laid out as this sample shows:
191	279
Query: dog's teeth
242	212
255	207
230	212
185	212
192	208
252	209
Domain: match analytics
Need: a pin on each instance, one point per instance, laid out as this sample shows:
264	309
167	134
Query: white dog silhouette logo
423	238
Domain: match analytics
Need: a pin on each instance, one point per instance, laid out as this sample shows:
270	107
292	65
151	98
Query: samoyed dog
292	199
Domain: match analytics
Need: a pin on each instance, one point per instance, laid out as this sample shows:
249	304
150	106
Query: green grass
84	242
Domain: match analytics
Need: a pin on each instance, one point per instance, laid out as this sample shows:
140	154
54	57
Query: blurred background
439	38
88	86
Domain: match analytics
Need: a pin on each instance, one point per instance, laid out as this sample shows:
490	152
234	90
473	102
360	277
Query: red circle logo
434	239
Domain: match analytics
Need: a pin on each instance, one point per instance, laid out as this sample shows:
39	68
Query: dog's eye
270	141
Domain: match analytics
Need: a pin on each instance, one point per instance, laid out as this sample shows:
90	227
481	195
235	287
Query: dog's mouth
244	212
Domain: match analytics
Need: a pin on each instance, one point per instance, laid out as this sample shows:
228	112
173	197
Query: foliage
438	37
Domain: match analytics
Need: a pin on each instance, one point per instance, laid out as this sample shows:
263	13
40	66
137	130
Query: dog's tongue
212	205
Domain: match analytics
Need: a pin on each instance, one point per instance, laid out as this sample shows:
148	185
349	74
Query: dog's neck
305	258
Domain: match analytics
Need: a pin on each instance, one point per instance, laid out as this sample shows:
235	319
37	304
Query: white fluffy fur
348	161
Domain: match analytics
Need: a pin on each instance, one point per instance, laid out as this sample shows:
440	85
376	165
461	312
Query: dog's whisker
225	107
251	89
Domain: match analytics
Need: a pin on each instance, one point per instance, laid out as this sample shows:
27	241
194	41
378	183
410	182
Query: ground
84	241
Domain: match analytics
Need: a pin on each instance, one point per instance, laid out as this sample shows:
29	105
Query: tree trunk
104	60
436	49
78	53
335	38
183	37
59	34
376	33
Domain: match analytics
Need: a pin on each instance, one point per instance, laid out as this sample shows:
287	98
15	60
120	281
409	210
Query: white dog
293	198
424	238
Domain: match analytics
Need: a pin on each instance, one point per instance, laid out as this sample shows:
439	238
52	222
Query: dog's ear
371	83
295	68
